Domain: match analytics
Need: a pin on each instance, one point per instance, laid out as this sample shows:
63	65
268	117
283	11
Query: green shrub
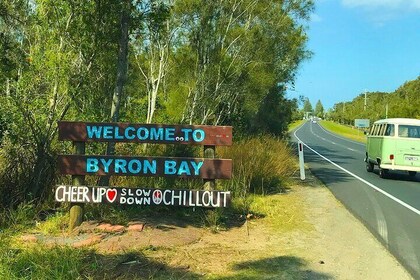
260	165
54	224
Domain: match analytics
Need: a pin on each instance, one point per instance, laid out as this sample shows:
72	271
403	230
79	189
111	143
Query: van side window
390	130
410	131
375	130
372	129
382	131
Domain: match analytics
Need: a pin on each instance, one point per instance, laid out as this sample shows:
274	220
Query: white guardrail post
301	161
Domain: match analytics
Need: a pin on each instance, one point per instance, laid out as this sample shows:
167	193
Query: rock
136	227
103	227
92	240
116	229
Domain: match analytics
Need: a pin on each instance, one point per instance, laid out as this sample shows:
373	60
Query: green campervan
394	144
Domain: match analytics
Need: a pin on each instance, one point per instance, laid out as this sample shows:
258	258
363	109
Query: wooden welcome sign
180	167
146	133
145	166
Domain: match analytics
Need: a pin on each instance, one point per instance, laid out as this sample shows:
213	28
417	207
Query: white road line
335	135
334	143
361	179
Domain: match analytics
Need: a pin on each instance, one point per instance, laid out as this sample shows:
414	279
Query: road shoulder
347	249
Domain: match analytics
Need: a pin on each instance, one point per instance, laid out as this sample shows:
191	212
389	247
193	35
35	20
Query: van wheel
412	173
369	166
383	173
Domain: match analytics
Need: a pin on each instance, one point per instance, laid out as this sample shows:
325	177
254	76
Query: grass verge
295	124
263	165
345	131
246	251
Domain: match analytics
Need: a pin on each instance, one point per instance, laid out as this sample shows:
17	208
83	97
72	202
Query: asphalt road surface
389	208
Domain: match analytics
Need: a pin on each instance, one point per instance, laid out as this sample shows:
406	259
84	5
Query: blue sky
359	45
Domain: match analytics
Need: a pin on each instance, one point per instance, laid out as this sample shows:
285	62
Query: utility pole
386	111
365	99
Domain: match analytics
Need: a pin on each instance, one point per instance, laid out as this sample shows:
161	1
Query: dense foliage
402	103
189	61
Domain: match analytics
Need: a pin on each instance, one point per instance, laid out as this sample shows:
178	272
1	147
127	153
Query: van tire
369	166
383	173
412	173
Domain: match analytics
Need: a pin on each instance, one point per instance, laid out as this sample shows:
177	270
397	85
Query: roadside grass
281	212
272	214
345	131
264	166
295	124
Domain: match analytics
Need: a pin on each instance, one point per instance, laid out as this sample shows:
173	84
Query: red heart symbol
111	195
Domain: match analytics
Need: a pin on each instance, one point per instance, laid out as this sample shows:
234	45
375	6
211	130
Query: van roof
399	121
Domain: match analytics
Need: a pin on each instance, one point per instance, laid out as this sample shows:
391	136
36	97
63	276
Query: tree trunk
121	76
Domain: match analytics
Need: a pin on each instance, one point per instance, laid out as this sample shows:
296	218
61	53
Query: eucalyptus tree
233	52
64	75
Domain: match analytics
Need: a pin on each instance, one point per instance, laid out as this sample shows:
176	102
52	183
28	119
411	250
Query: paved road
389	208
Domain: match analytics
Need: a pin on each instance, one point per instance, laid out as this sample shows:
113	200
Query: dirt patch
303	234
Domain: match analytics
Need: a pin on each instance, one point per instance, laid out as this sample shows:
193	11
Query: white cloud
388	4
315	18
379	12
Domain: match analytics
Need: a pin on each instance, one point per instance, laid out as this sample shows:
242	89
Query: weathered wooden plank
142	196
145	133
145	166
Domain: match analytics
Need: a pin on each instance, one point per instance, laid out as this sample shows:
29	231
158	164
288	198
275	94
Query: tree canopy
186	61
402	103
319	109
307	106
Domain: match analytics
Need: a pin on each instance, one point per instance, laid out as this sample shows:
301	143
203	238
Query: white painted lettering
73	194
130	200
208	198
190	200
197	197
59	198
166	202
179	197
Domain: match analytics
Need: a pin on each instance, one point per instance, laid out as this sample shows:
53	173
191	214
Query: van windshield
409	131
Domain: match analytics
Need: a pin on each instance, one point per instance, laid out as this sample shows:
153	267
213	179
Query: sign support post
301	161
76	209
209	152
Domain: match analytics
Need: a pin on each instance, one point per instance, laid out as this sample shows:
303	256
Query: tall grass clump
261	165
38	263
23	216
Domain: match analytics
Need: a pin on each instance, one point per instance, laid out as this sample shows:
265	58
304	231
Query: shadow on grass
136	266
70	263
282	267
